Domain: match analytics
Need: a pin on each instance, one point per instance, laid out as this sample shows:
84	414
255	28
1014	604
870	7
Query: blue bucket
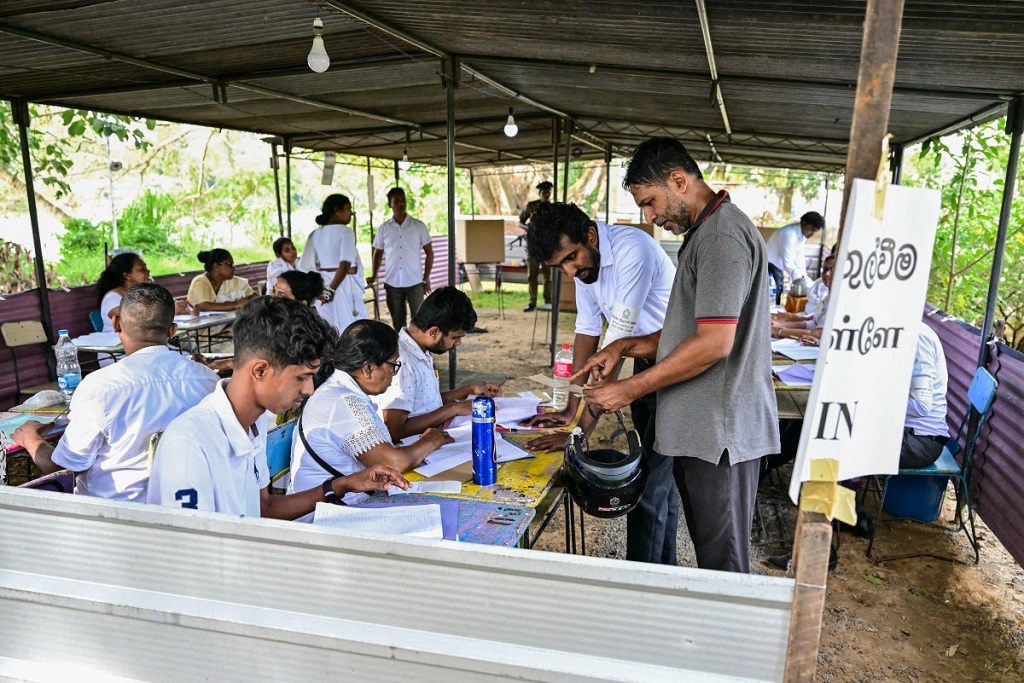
915	496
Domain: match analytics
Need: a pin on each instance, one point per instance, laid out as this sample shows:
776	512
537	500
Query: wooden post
882	23
810	568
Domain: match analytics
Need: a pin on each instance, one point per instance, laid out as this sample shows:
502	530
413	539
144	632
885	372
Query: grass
86	268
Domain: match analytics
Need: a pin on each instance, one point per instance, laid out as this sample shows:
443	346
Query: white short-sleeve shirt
111	300
340	422
926	406
275	269
786	251
402	244
415	388
632	287
208	461
116	409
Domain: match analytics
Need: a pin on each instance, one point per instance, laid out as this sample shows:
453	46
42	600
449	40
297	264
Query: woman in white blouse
284	250
123	271
340	422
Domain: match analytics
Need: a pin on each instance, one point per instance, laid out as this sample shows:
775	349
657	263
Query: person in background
116	409
217	289
400	239
534	268
797	326
123	271
339	430
286	258
214	456
786	249
295	284
414	402
331	252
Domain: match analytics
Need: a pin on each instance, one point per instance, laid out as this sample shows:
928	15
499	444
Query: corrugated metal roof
621	70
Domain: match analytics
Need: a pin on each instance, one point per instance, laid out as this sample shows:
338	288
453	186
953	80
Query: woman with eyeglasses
806	327
339	430
217	289
304	287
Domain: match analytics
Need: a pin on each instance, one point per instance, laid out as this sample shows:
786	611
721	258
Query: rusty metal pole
882	23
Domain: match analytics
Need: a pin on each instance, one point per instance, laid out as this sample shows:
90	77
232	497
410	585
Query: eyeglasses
396	366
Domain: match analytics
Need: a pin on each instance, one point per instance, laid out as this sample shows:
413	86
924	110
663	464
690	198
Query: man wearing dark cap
534	267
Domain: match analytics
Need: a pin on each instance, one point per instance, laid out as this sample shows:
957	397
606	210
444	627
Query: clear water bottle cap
62	333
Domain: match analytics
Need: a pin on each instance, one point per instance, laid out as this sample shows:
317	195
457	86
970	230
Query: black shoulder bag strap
309	449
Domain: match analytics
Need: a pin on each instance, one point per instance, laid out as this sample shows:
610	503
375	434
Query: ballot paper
508	411
98	339
793	348
428	487
423	521
9	425
453	454
795	374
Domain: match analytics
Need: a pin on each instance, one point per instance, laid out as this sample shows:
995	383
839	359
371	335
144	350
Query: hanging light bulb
511	129
404	164
317	58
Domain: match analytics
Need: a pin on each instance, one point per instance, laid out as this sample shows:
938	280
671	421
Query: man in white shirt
213	457
623	279
414	402
925	431
400	239
786	249
116	409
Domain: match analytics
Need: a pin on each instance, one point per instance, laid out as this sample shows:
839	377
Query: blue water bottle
485	455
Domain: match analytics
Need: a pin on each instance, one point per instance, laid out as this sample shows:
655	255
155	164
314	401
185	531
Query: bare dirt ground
910	620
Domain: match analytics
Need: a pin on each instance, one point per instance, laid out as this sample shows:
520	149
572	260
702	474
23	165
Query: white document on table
428	487
423	521
453	454
98	339
508	411
792	348
795	374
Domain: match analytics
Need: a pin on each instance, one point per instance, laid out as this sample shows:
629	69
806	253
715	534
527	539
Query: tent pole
451	72
277	186
1014	126
288	181
19	109
896	163
607	184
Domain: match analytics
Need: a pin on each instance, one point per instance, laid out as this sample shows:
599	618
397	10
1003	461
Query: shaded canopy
621	71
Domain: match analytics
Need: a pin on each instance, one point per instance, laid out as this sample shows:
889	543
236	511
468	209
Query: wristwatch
329	495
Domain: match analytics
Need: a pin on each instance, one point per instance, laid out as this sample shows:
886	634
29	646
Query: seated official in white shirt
806	327
116	409
925	431
414	401
214	457
339	431
623	280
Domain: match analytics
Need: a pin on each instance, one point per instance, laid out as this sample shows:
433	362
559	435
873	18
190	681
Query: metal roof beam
193	76
716	86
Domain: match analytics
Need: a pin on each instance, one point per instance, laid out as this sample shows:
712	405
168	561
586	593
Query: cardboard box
480	240
766	233
567	295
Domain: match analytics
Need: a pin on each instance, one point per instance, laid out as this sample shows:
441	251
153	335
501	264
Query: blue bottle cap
61	333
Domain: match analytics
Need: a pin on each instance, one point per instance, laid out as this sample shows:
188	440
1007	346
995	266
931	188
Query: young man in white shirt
414	402
623	279
786	249
116	409
213	457
400	239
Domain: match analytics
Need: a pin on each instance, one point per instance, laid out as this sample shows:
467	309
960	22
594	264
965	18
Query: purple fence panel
997	479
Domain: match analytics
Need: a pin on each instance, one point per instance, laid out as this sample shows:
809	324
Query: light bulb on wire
317	58
404	164
511	129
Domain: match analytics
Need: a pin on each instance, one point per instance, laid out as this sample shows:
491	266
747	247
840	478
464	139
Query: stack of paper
423	521
461	450
508	411
795	374
792	348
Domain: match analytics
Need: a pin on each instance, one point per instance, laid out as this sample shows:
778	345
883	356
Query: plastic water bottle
771	291
563	368
69	372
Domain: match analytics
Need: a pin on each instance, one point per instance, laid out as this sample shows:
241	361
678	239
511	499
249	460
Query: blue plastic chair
97	321
980	396
279	450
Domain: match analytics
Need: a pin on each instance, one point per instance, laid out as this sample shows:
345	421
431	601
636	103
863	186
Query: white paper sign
858	401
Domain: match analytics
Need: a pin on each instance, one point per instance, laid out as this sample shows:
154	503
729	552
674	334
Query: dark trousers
533	270
718	502
776	274
397	298
919	451
652	525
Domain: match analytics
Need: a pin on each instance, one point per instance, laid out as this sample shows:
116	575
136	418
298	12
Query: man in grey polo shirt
717	414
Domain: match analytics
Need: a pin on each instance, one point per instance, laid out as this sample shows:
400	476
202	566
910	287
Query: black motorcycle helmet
605	482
